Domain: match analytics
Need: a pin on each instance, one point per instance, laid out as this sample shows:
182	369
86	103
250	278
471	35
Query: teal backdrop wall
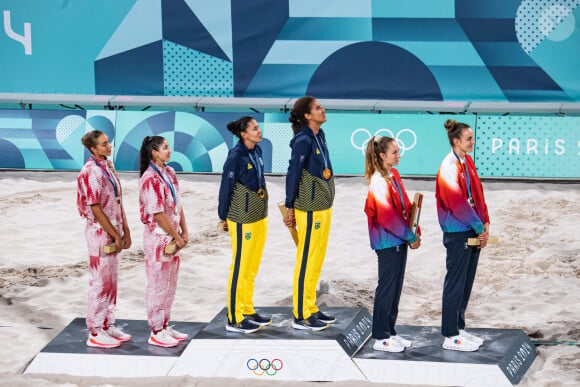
441	51
520	146
429	50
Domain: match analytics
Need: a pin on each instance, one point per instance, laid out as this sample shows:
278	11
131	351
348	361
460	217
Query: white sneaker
477	340
404	342
388	345
176	334
102	340
163	339
459	343
117	333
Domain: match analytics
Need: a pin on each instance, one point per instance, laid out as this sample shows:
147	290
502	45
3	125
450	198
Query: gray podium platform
502	360
278	351
68	354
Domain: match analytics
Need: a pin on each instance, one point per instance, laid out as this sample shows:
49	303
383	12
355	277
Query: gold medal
326	173
261	193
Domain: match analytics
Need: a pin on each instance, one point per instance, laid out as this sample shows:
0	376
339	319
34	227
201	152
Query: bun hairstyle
454	130
301	107
150	143
89	139
373	161
240	125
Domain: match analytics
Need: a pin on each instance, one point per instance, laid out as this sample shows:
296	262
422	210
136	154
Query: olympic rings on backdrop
384	132
264	366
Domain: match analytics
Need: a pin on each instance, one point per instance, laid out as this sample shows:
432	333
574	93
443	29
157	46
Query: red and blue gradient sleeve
454	211
386	226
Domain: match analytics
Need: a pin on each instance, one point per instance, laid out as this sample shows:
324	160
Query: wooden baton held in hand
416	212
110	248
171	248
292	230
492	240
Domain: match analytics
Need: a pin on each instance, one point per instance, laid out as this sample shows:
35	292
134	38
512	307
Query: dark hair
89	139
301	107
373	161
454	130
149	144
240	125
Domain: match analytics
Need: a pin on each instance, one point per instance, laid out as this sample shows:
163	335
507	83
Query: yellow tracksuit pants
248	240
313	229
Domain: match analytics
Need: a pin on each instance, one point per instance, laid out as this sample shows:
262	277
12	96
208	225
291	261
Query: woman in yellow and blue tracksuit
309	198
243	210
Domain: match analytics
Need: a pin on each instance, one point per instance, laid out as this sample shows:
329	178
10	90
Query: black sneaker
245	326
310	324
325	318
258	319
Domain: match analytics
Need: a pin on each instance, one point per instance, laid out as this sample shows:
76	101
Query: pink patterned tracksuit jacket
97	185
159	193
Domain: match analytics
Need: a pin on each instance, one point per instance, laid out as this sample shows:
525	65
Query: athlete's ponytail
150	143
373	161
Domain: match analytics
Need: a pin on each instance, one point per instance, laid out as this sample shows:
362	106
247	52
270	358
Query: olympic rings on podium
264	366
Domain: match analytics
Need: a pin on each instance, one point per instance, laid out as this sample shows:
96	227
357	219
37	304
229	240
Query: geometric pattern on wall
188	72
496	50
537	20
197	146
49	139
528	146
493	36
510	146
28	139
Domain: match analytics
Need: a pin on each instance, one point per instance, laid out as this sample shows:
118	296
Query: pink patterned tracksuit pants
162	271
103	275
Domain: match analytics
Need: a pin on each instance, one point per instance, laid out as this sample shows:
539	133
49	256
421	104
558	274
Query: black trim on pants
303	265
236	272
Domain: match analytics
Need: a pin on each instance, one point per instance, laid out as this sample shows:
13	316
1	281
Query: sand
529	281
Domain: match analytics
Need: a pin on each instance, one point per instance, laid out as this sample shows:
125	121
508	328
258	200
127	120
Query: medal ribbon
256	163
400	194
111	179
466	177
167	183
322	151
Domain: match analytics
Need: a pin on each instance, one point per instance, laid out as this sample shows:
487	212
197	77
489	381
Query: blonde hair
373	161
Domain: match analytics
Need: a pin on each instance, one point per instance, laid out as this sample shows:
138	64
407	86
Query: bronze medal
261	193
405	214
326	173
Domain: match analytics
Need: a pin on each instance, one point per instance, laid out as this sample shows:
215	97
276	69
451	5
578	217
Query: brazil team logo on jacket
317	225
248	235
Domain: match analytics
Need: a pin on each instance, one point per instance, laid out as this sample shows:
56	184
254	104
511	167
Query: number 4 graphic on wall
25	39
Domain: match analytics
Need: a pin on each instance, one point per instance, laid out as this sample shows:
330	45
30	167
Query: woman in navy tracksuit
243	210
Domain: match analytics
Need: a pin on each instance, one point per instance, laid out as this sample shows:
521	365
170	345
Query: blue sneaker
259	319
309	324
325	318
244	326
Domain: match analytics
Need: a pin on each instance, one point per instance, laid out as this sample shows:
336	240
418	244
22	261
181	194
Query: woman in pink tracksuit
161	212
100	202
